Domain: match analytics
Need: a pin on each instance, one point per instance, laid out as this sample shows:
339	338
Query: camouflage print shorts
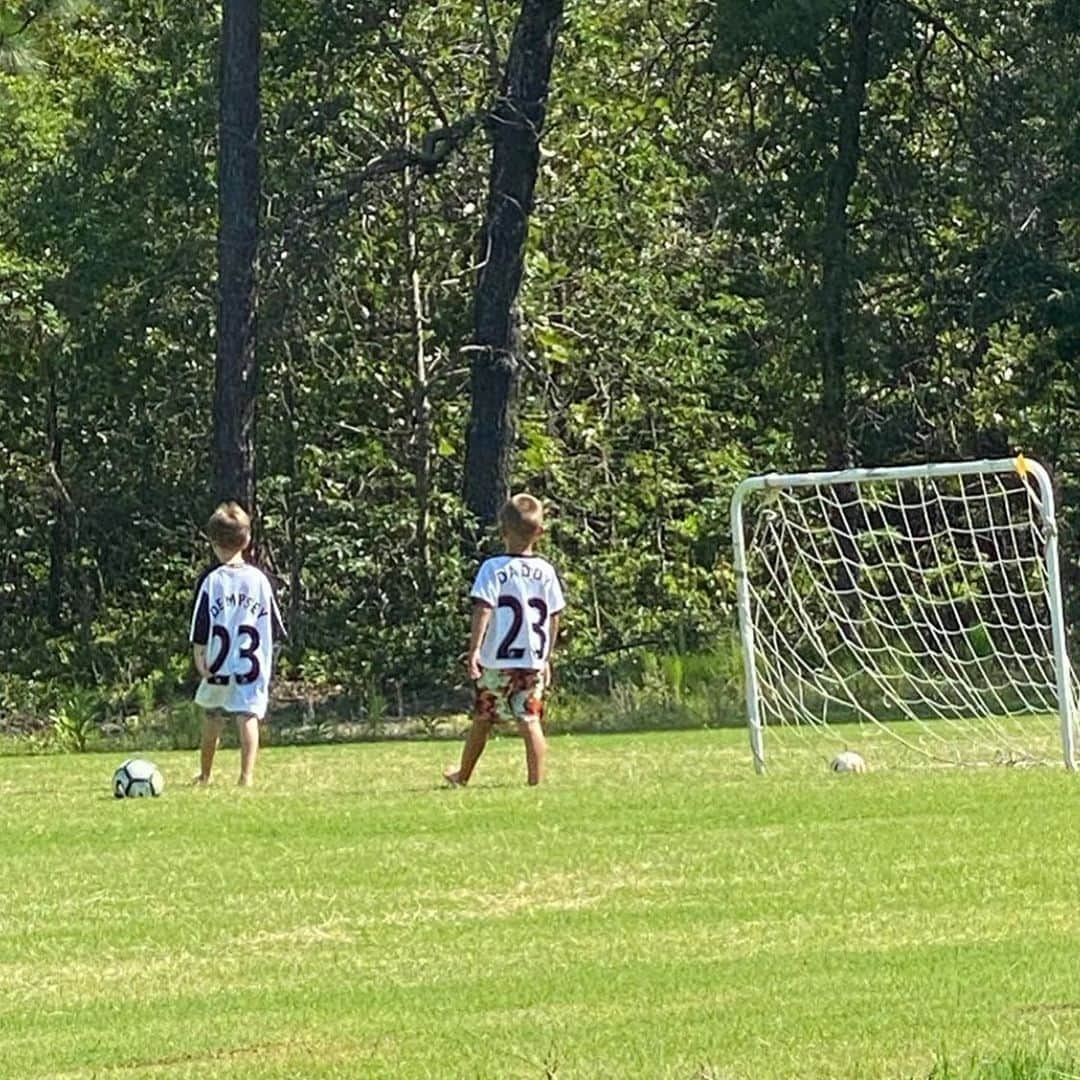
510	694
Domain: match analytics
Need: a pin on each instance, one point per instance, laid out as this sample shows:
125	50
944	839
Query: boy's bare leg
470	754
535	749
211	733
247	727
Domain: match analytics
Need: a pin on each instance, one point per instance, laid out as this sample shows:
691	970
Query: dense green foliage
656	911
671	306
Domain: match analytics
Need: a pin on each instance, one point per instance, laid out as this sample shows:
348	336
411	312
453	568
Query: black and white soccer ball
137	779
848	761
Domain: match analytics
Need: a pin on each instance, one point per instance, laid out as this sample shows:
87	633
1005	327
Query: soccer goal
924	600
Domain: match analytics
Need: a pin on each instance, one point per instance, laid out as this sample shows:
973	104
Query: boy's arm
481	616
553	629
200	630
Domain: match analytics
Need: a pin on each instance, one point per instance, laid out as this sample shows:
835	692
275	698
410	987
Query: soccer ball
136	779
848	761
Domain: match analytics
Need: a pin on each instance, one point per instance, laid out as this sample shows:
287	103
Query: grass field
655	911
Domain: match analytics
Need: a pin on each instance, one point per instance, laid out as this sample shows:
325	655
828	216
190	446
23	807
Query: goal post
922	599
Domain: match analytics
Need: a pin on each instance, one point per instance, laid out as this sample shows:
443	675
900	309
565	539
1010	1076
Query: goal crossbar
801	603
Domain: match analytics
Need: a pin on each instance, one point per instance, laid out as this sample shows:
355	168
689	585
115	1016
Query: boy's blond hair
522	517
229	527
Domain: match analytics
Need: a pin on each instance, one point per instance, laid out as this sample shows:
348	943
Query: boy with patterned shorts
517	599
233	629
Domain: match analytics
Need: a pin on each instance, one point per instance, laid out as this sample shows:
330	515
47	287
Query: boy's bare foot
200	781
245	781
452	777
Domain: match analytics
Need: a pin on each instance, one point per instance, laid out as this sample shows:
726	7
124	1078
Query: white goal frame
1027	469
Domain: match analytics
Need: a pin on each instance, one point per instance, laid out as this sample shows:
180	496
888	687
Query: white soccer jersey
236	617
524	592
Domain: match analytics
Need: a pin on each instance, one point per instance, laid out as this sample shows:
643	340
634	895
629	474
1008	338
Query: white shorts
231	698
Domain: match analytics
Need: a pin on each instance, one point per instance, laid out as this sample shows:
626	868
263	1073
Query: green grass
655	911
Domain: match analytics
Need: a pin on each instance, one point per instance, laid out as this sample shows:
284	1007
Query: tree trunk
238	230
420	437
421	414
293	503
59	541
835	270
516	126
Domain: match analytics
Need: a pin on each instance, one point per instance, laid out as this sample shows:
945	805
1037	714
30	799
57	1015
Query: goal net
922	600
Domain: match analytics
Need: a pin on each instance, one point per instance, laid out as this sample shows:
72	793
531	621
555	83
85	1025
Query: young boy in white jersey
233	629
517	599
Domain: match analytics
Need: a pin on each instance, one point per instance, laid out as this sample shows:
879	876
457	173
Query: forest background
766	234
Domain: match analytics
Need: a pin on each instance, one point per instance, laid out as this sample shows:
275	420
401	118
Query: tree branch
494	59
942	27
417	73
435	147
26	24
